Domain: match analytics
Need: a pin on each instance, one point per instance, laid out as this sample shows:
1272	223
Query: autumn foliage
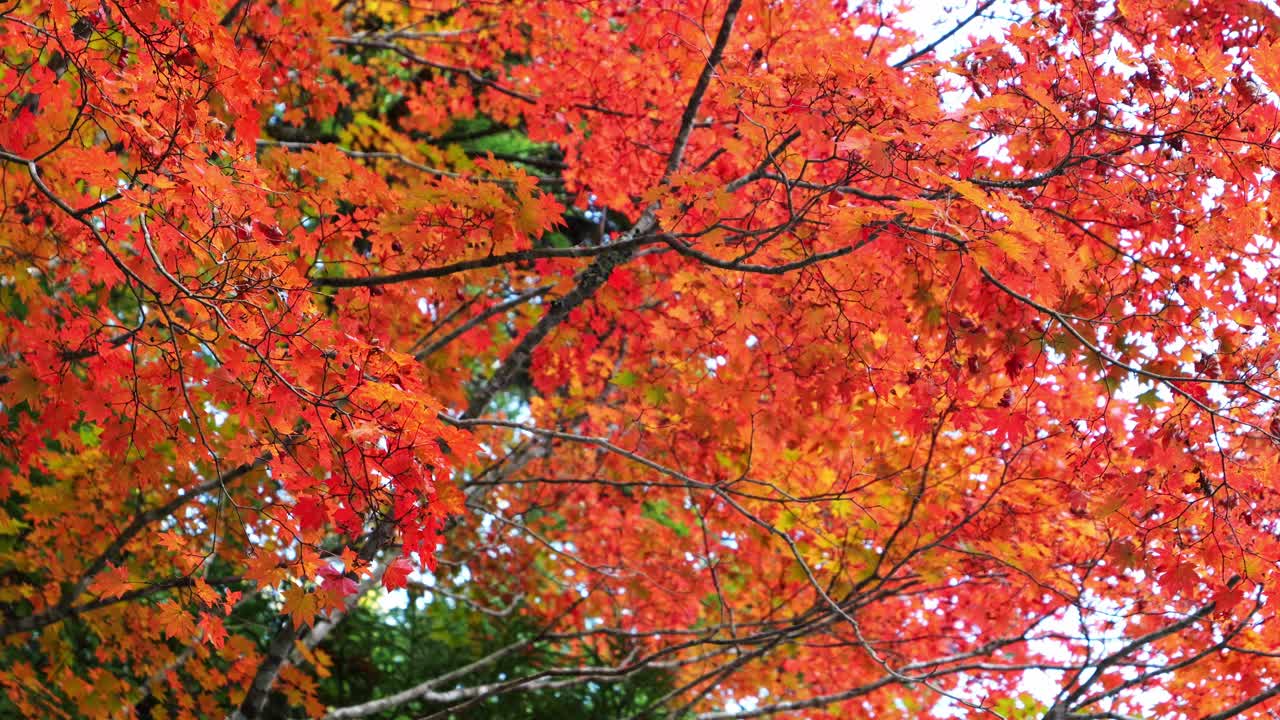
835	363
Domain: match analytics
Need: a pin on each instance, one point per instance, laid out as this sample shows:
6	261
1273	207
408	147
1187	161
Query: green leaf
657	512
655	395
1150	399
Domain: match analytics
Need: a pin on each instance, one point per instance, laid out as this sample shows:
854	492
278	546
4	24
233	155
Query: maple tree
772	346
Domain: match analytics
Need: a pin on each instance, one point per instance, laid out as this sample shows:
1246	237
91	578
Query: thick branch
588	283
633	240
594	277
282	644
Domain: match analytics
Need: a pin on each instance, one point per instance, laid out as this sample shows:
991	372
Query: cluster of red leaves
902	363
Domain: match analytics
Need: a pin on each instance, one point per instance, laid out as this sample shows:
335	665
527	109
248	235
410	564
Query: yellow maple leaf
300	605
1012	246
